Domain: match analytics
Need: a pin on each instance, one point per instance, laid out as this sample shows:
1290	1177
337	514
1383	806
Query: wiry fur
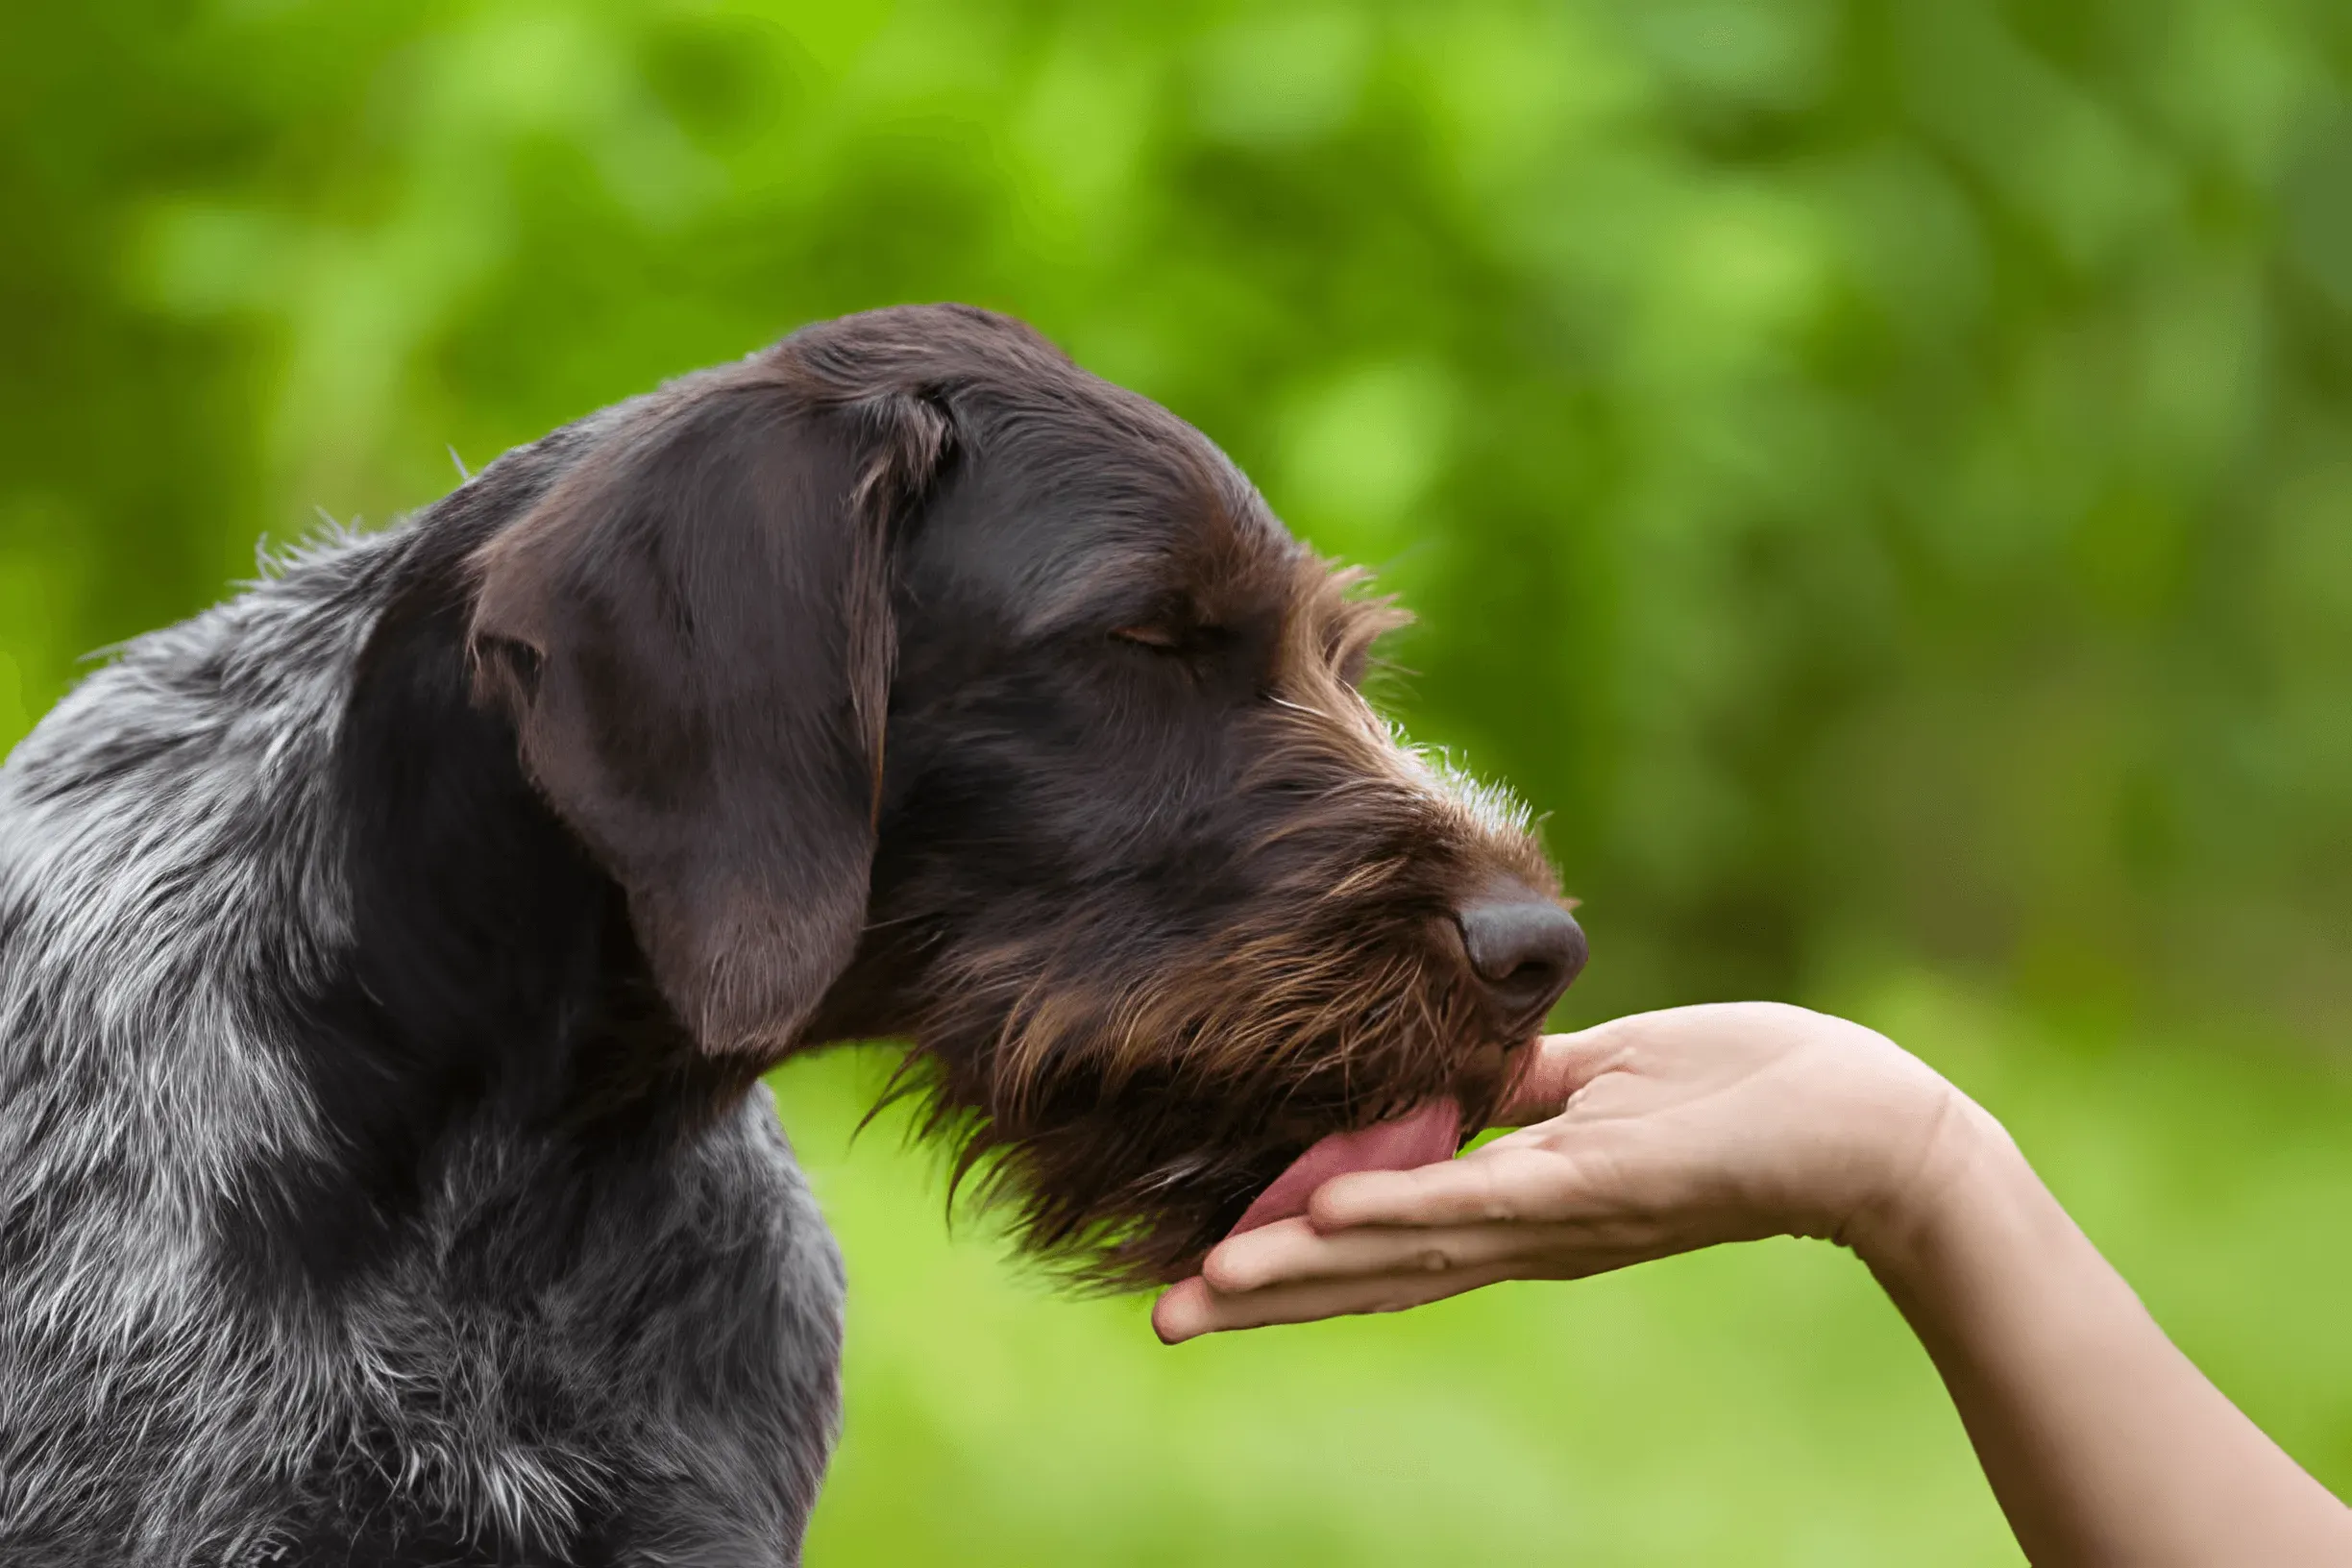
171	903
1131	1111
388	956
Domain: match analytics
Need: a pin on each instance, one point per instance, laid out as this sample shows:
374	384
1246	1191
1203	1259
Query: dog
389	956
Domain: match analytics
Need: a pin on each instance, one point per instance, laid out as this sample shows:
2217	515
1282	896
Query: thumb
1558	1065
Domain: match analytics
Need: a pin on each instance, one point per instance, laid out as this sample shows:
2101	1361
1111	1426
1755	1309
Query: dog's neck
490	990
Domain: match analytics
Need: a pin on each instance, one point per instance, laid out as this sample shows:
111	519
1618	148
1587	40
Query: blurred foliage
1873	472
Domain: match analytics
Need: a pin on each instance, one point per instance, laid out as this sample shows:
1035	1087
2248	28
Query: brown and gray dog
388	957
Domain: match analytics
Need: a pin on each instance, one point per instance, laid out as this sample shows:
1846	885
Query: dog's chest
589	1381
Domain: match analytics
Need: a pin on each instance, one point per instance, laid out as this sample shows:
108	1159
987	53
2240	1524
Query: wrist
1962	1163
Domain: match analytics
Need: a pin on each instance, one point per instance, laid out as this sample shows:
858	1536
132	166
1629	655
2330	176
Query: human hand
1668	1131
1660	1132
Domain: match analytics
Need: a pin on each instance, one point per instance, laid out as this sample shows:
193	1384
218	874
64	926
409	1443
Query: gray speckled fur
167	879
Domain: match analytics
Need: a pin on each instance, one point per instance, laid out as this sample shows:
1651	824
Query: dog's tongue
1420	1137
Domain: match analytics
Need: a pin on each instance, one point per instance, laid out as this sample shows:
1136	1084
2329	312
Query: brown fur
914	682
1336	999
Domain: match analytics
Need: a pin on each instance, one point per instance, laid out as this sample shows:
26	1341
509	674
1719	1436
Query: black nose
1524	951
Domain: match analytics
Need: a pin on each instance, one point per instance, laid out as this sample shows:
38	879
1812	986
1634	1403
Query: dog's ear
692	633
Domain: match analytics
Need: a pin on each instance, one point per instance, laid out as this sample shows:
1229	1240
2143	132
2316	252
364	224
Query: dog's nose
1524	951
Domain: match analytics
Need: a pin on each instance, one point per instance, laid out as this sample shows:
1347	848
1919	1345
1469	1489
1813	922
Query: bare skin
1666	1132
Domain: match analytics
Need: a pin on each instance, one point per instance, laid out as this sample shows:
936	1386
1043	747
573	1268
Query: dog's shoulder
154	892
538	1354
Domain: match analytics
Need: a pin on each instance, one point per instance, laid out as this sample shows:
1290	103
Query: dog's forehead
1101	503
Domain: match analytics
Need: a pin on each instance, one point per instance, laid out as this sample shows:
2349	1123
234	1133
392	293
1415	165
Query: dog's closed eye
1182	640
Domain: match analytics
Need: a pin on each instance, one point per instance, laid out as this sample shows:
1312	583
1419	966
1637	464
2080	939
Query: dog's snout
1524	951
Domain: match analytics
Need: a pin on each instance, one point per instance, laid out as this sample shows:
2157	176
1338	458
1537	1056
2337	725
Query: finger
1293	1253
1558	1066
1191	1309
1183	1311
1499	1182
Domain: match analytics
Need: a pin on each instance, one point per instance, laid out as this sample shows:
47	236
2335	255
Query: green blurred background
1875	475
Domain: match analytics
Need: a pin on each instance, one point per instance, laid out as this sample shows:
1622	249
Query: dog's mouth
1424	1136
1124	1168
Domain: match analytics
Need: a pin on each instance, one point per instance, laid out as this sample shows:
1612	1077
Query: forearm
2104	1444
1676	1130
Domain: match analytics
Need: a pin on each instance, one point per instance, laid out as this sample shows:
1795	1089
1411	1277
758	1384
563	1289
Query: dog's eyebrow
1136	569
1111	583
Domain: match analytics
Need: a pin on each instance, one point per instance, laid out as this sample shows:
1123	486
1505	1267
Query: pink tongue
1422	1137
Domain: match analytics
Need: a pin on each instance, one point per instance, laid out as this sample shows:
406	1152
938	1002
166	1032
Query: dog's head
914	682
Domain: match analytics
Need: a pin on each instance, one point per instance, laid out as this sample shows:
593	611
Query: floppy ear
692	633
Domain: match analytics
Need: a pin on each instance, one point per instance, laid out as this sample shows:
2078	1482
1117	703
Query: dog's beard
1124	1124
